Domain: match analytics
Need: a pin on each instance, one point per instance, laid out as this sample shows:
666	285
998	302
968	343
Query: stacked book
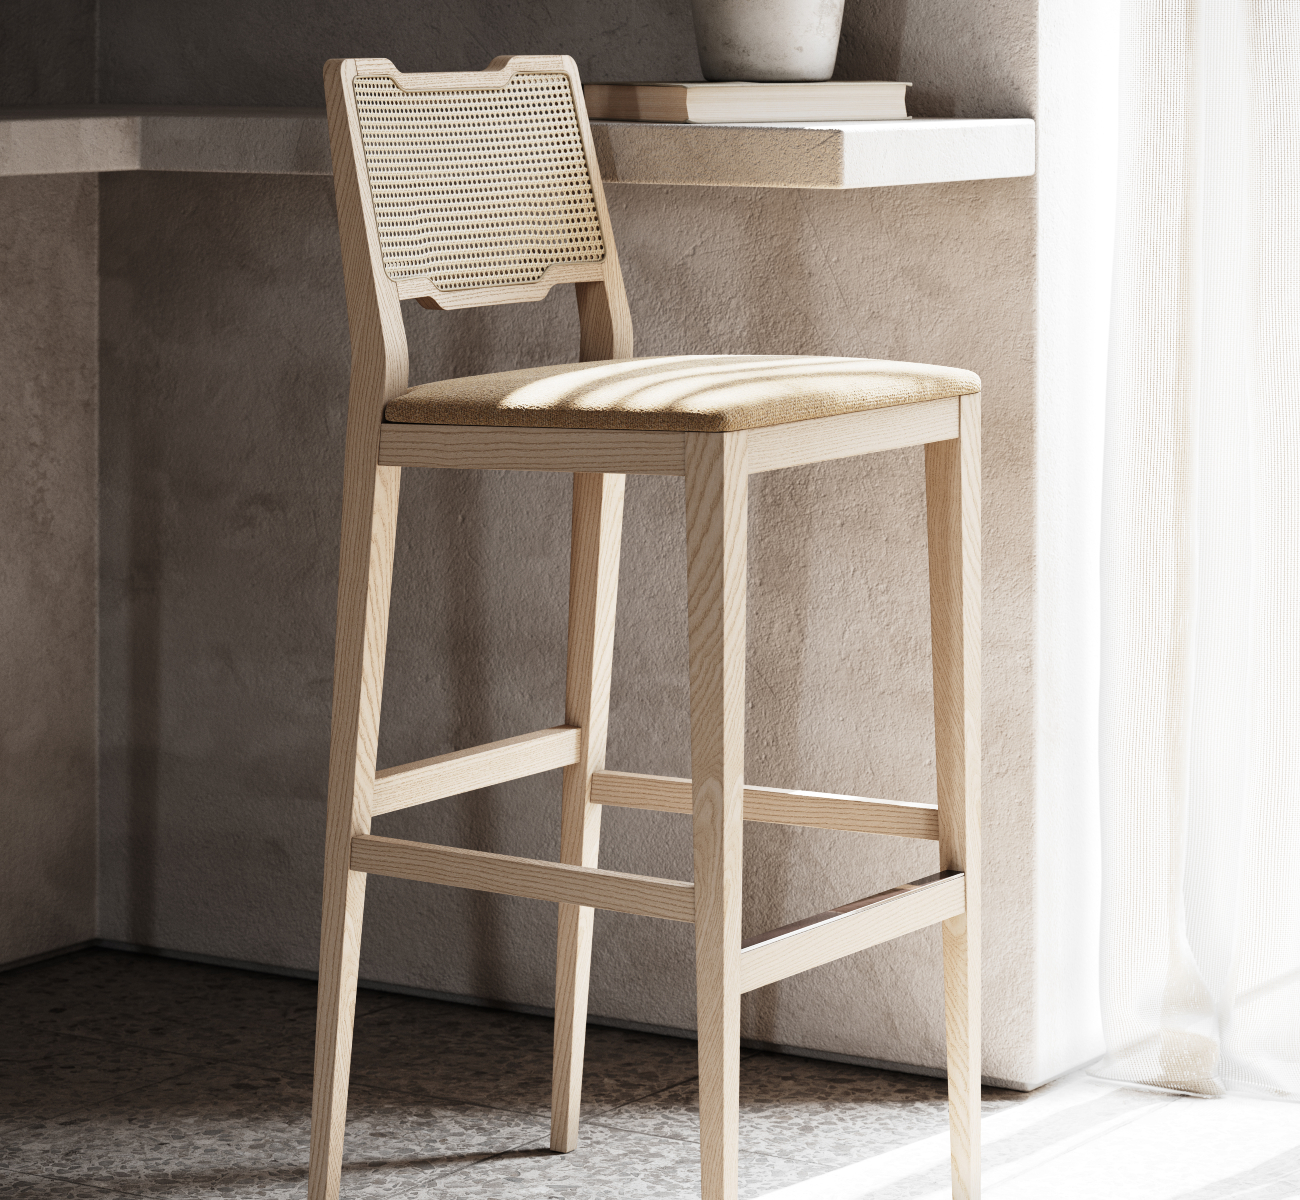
747	103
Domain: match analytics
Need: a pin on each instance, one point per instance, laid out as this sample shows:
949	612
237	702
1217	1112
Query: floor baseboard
45	955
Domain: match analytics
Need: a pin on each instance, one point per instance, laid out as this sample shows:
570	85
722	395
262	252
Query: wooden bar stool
482	188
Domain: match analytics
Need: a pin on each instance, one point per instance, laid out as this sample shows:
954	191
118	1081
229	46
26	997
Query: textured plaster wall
48	332
224	366
48	307
270	51
48	52
223	419
963	60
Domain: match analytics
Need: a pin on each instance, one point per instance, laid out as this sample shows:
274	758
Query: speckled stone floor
124	1075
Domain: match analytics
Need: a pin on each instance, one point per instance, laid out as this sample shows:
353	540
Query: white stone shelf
248	141
848	154
292	141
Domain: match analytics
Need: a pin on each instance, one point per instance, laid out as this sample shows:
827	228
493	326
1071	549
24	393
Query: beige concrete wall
269	52
48	52
48	307
223	412
224	365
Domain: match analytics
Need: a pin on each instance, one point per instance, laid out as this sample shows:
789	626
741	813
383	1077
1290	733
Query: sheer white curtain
1200	699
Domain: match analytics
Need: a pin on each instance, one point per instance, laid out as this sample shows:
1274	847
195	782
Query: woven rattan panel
481	186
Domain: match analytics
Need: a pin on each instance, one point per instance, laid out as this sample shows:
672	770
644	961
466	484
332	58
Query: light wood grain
506	448
477	767
358	686
774	806
851	434
593	595
370	503
530	878
952	489
604	322
828	936
501	293
498	73
717	491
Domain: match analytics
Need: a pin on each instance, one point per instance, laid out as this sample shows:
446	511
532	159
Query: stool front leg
593	596
717	491
952	489
365	585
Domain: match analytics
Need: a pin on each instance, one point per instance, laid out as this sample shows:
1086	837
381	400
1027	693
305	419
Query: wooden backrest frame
380	365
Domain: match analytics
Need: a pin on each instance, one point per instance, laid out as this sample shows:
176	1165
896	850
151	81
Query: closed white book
741	103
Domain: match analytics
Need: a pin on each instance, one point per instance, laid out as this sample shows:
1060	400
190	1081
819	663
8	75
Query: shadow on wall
871	44
940	48
248	52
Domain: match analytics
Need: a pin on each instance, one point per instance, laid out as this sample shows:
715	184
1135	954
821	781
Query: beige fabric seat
704	393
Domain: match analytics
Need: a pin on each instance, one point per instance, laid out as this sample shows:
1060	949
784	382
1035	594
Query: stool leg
365	583
717	489
593	593
952	490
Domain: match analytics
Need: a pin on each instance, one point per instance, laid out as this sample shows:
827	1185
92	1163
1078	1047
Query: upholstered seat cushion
701	392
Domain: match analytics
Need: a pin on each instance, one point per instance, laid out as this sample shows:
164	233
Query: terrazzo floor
124	1075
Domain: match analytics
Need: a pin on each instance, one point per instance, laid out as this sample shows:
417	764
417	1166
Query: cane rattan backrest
481	187
478	186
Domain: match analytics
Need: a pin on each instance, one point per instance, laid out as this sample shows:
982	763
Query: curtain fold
1200	672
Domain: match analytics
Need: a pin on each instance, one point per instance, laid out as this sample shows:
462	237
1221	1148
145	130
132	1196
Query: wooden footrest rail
776	806
533	879
531	753
776	955
787	951
478	767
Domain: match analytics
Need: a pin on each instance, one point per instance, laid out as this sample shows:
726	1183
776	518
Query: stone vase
768	40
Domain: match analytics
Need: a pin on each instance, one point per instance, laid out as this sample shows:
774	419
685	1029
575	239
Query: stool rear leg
593	594
365	585
717	489
952	489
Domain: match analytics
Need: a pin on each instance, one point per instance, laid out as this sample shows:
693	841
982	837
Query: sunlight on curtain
1200	692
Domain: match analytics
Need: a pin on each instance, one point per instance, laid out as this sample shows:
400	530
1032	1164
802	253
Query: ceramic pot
768	40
